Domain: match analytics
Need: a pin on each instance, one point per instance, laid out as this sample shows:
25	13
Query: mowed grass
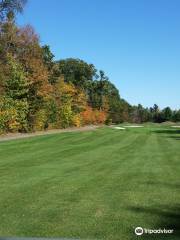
91	185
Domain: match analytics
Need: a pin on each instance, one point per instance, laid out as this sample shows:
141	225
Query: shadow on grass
169	218
175	137
170	133
163	184
166	216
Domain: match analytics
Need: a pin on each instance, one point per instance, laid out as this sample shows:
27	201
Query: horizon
135	43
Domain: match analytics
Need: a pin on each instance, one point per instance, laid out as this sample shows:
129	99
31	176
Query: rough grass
91	185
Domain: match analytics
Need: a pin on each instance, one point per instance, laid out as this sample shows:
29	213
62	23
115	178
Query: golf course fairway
98	184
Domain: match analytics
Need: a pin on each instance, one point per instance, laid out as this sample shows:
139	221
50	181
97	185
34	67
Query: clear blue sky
136	42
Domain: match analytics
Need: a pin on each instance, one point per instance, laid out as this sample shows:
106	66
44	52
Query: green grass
91	185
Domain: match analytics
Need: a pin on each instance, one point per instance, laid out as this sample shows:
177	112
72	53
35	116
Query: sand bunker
128	126
133	126
120	128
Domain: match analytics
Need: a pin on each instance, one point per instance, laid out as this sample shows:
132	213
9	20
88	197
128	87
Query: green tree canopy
76	71
9	8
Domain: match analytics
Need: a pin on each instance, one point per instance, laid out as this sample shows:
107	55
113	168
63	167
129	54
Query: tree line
37	92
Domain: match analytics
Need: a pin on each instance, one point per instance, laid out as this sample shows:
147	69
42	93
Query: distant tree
47	56
176	116
137	114
9	8
167	114
155	108
102	83
76	71
69	102
48	59
15	94
156	114
123	115
103	88
37	92
16	85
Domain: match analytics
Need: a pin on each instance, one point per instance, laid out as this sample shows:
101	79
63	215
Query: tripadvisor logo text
139	231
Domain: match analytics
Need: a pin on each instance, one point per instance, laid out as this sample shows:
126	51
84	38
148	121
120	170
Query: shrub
77	121
90	116
108	121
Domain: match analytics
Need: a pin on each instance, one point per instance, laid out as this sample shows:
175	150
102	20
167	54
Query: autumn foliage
93	116
38	93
